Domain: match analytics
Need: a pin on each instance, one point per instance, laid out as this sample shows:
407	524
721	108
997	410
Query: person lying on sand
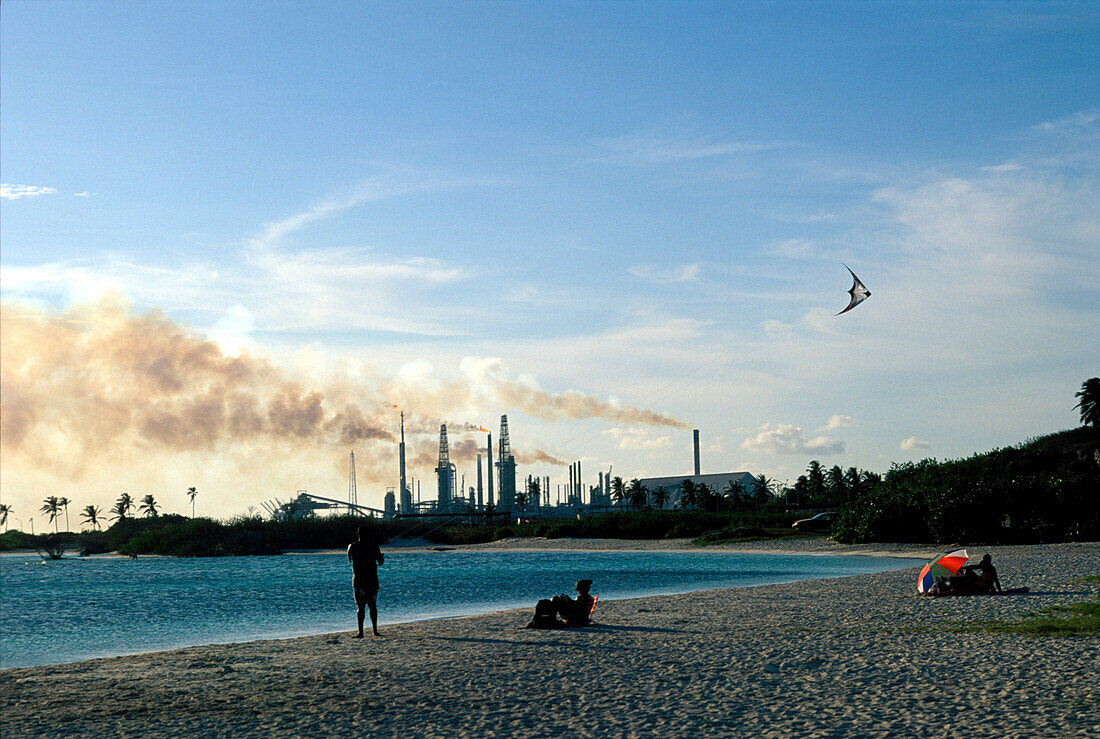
576	611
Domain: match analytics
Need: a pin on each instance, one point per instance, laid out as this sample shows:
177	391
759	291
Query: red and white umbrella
944	565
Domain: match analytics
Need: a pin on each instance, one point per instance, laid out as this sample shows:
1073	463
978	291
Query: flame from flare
482	428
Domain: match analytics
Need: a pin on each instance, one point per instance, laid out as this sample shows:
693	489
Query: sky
236	235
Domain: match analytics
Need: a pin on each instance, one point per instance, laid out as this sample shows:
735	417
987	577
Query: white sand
860	656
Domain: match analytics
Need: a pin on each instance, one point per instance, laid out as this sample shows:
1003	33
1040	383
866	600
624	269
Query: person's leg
373	604
360	604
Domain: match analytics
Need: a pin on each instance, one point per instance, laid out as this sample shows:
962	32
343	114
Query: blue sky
646	204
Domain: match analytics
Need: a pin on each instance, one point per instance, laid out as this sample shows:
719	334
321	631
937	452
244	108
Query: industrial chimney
695	435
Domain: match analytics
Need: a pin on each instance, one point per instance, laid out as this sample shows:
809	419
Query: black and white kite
859	291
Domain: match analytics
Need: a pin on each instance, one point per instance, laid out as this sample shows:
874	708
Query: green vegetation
1043	490
1076	619
194	537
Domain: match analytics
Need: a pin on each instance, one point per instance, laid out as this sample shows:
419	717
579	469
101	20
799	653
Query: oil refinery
496	495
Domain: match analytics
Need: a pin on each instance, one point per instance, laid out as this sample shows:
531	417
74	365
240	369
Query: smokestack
480	501
572	487
695	435
489	468
405	494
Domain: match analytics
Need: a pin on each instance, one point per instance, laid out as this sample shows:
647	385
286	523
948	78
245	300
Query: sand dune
860	656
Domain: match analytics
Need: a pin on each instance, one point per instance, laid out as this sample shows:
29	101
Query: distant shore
857	656
803	545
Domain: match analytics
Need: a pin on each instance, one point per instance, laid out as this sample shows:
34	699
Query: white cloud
799	249
913	443
84	194
781	438
652	147
637	439
837	422
1078	122
684	273
15	192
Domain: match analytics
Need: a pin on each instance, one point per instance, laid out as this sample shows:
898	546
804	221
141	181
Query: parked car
820	522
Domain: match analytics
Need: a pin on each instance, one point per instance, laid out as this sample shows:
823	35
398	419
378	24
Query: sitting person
986	580
576	611
977	579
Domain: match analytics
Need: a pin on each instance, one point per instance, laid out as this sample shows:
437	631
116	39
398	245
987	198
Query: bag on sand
546	616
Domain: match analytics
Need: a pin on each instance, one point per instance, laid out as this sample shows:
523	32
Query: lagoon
76	609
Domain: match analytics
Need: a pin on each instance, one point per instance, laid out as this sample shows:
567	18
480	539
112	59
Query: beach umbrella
944	565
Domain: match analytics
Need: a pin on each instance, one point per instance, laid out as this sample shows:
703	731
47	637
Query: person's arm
378	557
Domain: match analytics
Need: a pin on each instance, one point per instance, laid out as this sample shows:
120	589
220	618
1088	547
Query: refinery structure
494	492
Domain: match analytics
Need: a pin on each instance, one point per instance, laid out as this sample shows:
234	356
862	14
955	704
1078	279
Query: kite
859	291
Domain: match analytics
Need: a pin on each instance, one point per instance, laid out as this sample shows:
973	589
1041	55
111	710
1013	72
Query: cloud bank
782	438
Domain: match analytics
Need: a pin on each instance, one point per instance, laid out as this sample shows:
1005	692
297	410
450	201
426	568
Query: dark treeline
1045	490
179	536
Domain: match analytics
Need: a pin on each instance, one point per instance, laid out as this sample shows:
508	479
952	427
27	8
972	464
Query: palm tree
734	490
5	509
815	481
64	503
618	490
801	487
1090	402
638	493
834	480
661	496
122	506
521	500
191	493
148	506
687	493
764	487
704	495
853	483
52	507
91	515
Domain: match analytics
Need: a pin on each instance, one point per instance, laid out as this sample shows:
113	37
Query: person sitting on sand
986	580
575	611
365	556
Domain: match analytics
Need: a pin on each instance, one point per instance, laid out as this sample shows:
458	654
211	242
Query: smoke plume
99	396
99	379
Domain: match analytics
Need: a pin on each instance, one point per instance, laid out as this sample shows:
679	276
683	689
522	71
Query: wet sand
858	656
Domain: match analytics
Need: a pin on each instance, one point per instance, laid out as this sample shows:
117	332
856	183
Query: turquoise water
75	609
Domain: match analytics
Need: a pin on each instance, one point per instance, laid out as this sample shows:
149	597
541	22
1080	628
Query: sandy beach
859	656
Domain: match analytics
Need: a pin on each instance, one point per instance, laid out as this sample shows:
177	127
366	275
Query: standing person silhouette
365	556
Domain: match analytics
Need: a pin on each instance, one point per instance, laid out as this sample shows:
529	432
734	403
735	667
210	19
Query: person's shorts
366	595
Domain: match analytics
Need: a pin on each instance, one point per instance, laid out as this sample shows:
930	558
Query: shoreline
857	655
800	545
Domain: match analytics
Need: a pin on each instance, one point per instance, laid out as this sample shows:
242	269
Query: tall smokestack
489	468
695	435
580	485
572	486
405	493
480	501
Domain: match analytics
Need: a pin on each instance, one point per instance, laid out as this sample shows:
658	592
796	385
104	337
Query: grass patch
1076	619
1088	578
742	534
